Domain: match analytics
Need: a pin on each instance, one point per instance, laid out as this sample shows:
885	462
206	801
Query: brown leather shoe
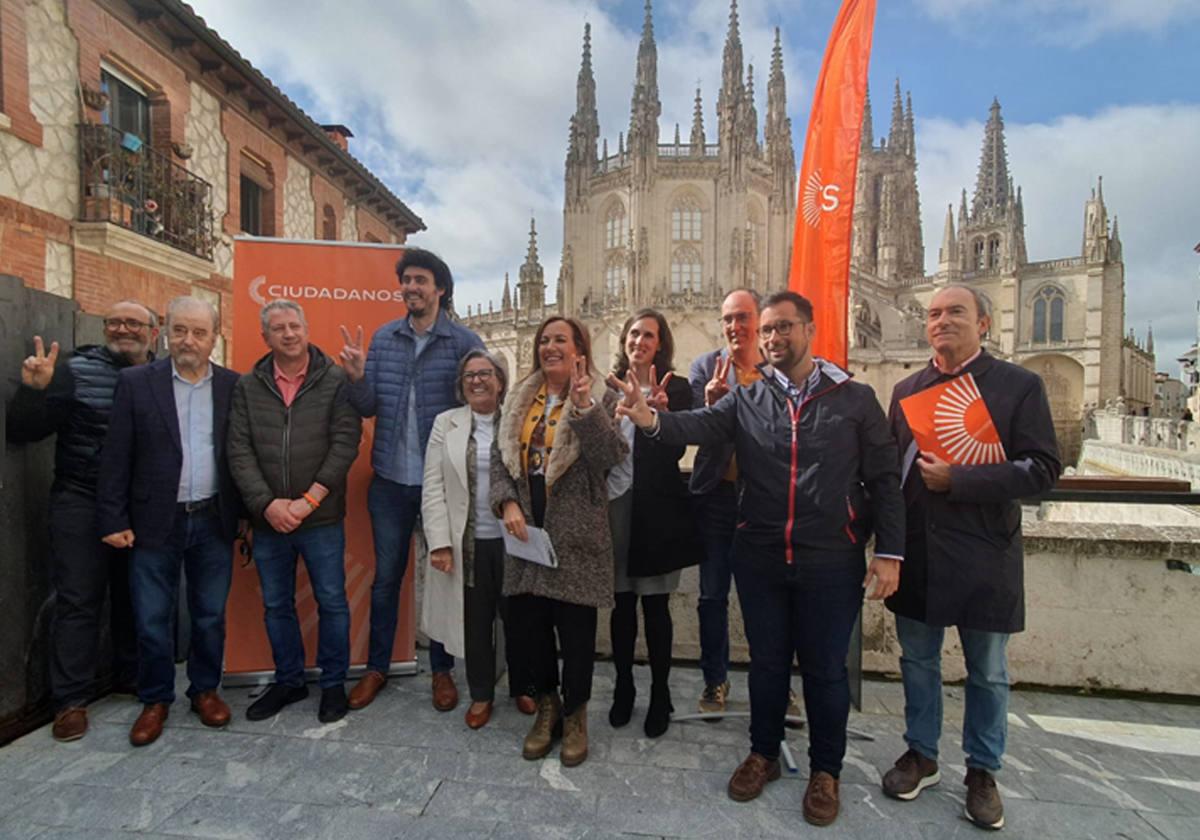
821	799
70	724
984	806
478	714
752	775
445	692
547	726
575	738
212	709
149	724
526	705
364	691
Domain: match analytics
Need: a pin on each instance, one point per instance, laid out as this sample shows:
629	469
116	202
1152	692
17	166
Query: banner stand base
399	668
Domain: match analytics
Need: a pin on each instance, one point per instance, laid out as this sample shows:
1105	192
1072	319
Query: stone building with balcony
675	225
135	144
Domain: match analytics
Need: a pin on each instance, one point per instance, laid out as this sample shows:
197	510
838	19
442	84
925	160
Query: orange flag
952	421
825	202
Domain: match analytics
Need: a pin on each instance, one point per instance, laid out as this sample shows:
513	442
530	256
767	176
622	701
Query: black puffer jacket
76	406
812	484
278	451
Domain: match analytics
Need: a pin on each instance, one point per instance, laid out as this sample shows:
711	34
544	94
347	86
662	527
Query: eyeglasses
131	324
782	328
480	375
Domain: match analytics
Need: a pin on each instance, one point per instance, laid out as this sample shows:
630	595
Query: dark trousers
196	548
535	621
623	626
807	611
481	604
324	551
716	516
84	570
394	509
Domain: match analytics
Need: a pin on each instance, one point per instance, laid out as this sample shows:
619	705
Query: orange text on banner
952	421
820	267
336	283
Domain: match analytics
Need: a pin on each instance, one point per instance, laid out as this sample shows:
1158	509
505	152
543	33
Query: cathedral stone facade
675	225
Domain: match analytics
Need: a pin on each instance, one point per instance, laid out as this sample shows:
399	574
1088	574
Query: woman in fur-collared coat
556	442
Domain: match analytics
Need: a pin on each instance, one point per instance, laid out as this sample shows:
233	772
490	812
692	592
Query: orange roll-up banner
336	283
825	201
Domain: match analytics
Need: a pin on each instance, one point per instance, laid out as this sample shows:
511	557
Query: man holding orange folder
976	437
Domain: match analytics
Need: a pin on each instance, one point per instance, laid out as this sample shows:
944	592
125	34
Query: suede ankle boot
622	705
575	737
658	716
547	726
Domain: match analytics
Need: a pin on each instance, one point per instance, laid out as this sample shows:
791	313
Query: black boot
658	716
623	696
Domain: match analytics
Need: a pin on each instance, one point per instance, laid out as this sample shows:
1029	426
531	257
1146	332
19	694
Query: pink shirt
289	386
958	369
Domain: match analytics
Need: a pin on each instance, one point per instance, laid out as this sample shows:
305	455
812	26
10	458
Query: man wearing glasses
818	471
73	400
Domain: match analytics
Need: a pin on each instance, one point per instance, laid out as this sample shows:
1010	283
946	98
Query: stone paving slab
1077	767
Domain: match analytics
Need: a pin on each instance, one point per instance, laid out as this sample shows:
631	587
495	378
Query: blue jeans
394	509
196	546
807	611
716	514
985	724
324	551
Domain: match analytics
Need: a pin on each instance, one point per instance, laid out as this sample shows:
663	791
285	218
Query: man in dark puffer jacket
292	438
74	401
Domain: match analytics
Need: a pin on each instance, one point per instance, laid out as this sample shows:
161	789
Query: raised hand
37	370
718	386
353	355
658	399
634	405
581	384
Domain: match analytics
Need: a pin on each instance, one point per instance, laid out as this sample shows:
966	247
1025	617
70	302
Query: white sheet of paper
537	549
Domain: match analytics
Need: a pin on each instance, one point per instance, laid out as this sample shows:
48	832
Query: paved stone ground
1078	767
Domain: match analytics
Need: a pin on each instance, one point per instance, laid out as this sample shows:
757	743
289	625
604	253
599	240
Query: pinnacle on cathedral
897	135
992	182
645	108
531	287
867	141
697	139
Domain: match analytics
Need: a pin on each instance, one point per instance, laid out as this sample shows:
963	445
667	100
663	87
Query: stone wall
210	161
298	207
1156	432
1100	458
1104	611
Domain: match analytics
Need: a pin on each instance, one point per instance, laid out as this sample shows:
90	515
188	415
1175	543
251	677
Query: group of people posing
540	501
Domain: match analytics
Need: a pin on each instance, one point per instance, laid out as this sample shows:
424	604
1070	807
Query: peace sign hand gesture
37	370
581	385
718	386
354	359
658	390
634	405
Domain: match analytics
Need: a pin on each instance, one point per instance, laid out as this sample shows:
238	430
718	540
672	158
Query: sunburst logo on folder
953	422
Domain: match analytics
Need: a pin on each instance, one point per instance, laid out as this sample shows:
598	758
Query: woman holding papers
555	443
466	540
653	531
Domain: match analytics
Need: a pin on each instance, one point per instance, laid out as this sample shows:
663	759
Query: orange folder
952	421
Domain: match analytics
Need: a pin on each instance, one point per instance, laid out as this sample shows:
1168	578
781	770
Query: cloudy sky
462	108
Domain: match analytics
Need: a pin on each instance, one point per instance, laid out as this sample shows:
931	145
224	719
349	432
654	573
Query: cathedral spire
645	107
1150	327
698	126
778	133
732	90
868	129
751	123
910	134
991	183
587	122
531	289
897	134
506	298
948	254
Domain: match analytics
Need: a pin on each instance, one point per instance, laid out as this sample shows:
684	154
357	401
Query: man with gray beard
73	400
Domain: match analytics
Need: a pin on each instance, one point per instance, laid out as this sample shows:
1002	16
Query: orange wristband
315	504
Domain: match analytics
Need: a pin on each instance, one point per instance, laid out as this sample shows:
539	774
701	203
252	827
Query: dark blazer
712	459
963	559
143	455
663	534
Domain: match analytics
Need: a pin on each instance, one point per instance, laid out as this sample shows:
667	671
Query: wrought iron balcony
127	183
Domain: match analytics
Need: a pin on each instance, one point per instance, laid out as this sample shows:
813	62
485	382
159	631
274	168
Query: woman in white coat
465	539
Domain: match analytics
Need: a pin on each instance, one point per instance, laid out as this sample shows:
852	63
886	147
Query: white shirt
620	477
487	526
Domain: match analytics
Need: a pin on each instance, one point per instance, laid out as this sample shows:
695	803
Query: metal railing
127	183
